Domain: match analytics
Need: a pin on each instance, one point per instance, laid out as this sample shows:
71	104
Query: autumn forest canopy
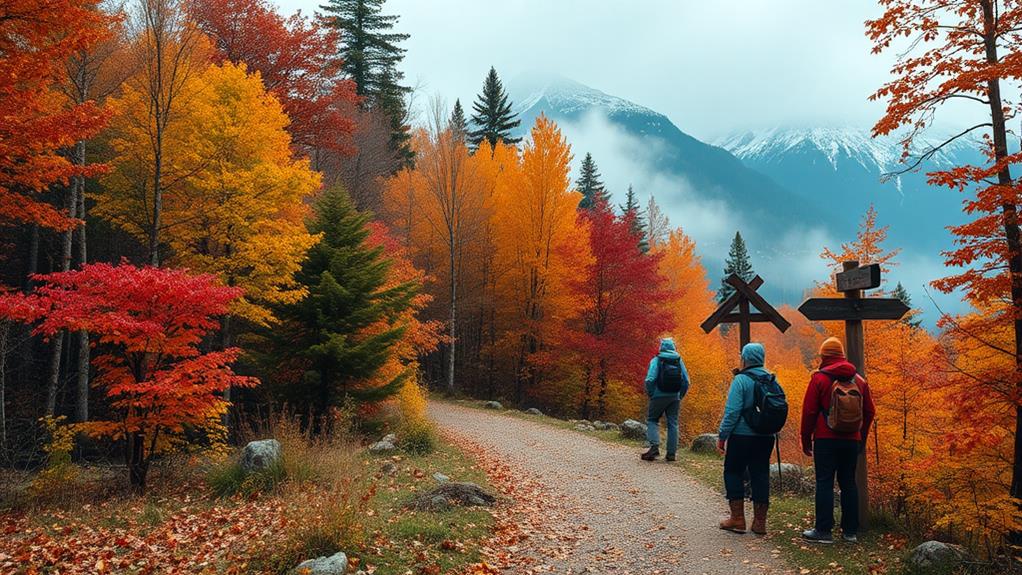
212	212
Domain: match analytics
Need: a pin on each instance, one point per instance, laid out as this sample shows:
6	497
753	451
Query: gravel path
622	516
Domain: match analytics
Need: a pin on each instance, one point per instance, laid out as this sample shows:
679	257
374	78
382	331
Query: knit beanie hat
832	347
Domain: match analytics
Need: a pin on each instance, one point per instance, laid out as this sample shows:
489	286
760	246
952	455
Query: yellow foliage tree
234	195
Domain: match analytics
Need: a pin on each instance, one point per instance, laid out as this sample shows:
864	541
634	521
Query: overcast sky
711	66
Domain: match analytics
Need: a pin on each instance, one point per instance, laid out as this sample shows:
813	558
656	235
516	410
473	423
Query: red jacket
817	402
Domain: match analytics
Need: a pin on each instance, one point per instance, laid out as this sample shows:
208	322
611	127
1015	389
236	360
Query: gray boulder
390	438
584	427
440	477
260	455
786	469
493	405
632	429
605	426
382	447
935	557
705	443
336	564
533	411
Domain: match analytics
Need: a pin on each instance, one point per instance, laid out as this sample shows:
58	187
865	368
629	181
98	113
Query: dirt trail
604	511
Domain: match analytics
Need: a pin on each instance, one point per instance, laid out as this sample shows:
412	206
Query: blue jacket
741	395
667	351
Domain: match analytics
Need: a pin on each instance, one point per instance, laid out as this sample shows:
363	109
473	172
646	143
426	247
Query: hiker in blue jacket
745	448
666	384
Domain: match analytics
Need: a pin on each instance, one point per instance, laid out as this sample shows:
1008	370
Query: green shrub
417	437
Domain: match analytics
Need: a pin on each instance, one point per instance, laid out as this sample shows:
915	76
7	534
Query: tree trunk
454	306
138	465
82	383
1009	213
602	402
5	331
53	382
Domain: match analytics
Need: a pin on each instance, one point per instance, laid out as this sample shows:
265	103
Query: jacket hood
753	354
838	367
667	348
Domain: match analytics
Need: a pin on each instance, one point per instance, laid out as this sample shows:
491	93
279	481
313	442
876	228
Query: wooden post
856	342
744	325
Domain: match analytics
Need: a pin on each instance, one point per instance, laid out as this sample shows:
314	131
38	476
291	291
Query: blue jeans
752	453
663	407
836	457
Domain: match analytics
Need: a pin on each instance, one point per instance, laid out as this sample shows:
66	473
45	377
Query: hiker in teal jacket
745	449
665	391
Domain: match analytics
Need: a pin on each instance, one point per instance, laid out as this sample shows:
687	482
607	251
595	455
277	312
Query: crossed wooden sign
743	300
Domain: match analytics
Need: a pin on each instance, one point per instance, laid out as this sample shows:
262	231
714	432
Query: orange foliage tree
36	36
148	324
539	247
967	51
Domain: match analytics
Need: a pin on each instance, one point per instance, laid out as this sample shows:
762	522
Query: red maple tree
36	36
146	324
623	294
294	57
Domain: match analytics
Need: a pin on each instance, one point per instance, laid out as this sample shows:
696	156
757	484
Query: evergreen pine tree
737	263
457	123
910	318
326	336
631	209
589	184
369	53
493	118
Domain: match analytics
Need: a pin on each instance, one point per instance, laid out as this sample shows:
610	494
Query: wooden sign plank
832	309
717	317
860	278
759	303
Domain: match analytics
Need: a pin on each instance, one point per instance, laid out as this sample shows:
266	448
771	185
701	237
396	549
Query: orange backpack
846	405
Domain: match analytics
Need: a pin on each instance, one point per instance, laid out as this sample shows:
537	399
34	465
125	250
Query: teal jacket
741	394
667	351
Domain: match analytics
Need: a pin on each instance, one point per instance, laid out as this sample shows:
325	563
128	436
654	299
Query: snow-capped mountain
848	170
653	145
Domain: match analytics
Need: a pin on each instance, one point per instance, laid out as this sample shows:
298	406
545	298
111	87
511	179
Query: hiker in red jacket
836	414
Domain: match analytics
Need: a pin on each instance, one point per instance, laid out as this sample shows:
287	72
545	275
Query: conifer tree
589	185
331	341
631	211
457	124
737	263
369	55
910	318
493	118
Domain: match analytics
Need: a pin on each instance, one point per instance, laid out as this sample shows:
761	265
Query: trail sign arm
834	309
759	303
718	316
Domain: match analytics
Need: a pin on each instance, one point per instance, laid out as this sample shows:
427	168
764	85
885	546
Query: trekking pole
777	444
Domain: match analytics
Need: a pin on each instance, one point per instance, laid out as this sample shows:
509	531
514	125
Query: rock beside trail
792	479
390	438
605	426
584	427
382	447
533	411
935	557
450	494
440	477
260	455
705	443
336	564
493	405
632	429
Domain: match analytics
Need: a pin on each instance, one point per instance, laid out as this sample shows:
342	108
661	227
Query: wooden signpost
853	309
737	309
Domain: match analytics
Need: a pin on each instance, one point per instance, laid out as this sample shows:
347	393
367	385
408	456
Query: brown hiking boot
736	522
759	516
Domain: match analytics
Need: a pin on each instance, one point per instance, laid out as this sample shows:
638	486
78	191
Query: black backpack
669	376
769	409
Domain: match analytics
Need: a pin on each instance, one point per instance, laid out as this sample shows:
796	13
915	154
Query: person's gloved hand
722	445
808	450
